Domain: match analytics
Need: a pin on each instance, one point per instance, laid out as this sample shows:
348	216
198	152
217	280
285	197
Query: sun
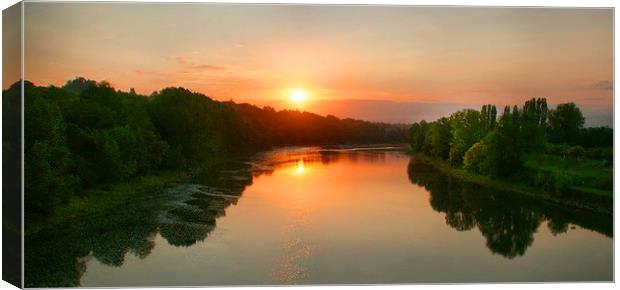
298	96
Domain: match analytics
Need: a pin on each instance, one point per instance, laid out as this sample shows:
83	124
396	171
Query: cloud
149	72
189	64
208	67
604	85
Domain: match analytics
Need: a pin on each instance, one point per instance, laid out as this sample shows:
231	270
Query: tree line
87	134
497	145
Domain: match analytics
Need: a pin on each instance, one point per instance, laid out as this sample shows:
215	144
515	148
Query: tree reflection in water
506	220
183	216
188	213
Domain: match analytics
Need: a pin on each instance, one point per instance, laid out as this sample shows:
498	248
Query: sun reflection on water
300	167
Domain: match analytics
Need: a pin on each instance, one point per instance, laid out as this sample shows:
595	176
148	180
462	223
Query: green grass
97	201
592	198
584	175
590	190
484	180
579	167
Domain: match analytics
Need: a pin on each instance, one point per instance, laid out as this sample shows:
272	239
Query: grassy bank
97	201
586	198
575	174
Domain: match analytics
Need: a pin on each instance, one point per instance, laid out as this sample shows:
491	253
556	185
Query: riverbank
104	198
602	204
98	201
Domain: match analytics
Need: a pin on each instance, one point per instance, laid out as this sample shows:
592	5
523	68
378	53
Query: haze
378	63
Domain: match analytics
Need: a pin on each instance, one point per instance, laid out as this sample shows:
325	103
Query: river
326	216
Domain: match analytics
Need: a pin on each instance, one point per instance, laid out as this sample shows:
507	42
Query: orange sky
382	63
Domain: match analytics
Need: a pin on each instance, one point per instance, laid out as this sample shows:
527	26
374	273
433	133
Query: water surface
315	216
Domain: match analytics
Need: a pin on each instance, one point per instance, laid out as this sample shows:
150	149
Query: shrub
603	154
556	149
474	157
562	183
575	152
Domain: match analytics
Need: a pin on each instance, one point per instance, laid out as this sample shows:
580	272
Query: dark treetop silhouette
87	134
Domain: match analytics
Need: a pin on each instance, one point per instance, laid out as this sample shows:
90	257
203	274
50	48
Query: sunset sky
379	63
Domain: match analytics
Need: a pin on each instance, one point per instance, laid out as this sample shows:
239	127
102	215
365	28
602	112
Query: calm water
312	216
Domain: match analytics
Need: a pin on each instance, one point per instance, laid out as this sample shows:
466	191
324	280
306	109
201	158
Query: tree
438	138
87	134
534	122
502	149
79	85
474	157
417	135
489	115
564	123
596	137
468	127
48	181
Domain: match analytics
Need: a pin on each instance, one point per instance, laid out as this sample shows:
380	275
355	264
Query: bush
174	158
556	149
567	151
553	182
575	152
474	157
603	154
561	183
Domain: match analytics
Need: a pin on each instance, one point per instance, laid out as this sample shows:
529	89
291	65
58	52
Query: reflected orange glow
308	180
300	167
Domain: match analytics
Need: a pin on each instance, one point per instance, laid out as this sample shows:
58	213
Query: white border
548	3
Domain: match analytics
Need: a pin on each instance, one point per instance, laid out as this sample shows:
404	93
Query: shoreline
593	203
102	199
99	200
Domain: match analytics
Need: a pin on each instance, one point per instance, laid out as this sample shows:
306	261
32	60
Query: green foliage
565	123
575	152
12	164
438	138
204	130
498	147
557	149
596	137
474	157
79	85
489	116
48	180
606	155
555	183
268	127
417	136
504	152
174	158
468	127
564	174
88	135
534	122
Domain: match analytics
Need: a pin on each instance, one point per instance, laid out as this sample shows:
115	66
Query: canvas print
205	144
